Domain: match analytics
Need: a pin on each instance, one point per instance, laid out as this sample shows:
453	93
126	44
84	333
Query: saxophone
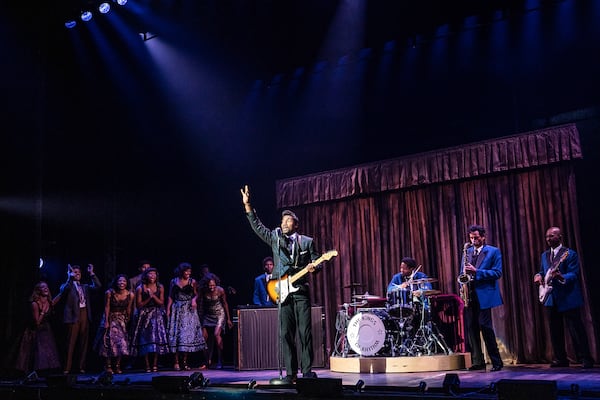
464	279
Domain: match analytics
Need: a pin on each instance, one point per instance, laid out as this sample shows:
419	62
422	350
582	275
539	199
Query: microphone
278	232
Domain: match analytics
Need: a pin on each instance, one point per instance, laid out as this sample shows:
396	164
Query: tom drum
400	303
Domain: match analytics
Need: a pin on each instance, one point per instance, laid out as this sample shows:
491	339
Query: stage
513	382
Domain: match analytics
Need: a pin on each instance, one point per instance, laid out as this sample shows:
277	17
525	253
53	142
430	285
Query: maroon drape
421	206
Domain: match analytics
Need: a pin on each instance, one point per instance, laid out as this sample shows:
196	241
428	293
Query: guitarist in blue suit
292	253
484	264
560	290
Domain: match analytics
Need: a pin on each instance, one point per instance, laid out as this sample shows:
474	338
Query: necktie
291	245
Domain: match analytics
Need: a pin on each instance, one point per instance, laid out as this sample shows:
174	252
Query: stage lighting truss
86	9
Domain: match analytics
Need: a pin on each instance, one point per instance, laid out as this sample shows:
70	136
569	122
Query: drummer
404	279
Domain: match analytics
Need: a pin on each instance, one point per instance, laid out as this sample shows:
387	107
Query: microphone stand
279	380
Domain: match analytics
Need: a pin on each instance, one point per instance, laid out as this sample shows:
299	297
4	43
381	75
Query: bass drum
367	332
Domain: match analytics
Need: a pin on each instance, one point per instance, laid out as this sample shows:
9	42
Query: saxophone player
483	263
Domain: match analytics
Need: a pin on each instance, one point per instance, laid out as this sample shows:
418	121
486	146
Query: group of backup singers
140	319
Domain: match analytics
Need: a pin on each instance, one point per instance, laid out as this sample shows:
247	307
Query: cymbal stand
427	339
341	339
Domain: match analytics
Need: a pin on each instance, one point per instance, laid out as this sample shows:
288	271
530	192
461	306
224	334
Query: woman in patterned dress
112	340
150	333
214	314
37	349
184	329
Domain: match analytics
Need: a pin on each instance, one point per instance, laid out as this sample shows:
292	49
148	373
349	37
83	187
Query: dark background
113	149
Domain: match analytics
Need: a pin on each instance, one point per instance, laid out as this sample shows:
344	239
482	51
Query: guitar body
544	291
283	287
274	290
546	286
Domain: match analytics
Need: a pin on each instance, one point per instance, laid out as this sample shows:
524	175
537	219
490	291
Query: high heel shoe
155	369
185	367
118	369
176	367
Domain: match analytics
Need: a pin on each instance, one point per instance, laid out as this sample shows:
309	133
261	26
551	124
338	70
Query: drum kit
399	325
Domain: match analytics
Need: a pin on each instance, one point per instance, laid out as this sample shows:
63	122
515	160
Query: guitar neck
304	270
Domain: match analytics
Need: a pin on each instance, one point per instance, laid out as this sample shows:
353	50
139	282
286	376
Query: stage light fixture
70	24
31	378
105	379
251	384
422	387
145	36
451	384
359	385
121	2
198	380
104	8
86	16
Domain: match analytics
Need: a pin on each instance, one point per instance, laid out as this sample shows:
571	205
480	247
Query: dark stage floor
532	382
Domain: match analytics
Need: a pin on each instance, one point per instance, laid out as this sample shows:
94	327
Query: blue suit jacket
397	280
567	295
489	270
261	297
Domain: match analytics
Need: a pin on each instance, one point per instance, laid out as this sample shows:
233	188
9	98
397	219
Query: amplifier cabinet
257	339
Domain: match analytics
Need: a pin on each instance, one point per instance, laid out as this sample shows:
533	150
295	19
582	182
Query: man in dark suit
261	296
292	253
563	303
77	313
483	263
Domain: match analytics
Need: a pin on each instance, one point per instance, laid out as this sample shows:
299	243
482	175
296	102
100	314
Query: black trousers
296	319
572	318
478	321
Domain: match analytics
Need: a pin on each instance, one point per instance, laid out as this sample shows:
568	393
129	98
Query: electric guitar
283	287
546	286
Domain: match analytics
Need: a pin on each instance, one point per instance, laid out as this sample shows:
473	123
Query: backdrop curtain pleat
421	206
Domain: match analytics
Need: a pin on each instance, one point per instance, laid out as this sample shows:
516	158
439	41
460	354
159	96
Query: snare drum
367	331
400	303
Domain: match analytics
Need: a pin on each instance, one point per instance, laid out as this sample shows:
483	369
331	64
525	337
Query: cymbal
368	297
422	280
429	292
353	285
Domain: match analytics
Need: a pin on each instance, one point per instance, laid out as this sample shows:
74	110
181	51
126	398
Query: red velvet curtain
421	206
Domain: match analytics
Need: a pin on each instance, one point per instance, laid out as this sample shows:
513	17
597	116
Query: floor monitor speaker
525	389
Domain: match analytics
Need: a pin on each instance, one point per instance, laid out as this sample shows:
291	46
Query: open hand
245	195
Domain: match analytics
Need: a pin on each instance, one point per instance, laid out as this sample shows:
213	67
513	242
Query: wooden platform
377	365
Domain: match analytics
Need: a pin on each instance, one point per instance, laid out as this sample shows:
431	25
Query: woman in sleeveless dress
184	329
112	340
214	317
150	333
37	351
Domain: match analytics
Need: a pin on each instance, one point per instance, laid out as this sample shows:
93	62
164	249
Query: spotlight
70	24
145	36
451	384
104	7
121	2
86	16
198	380
359	385
251	384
